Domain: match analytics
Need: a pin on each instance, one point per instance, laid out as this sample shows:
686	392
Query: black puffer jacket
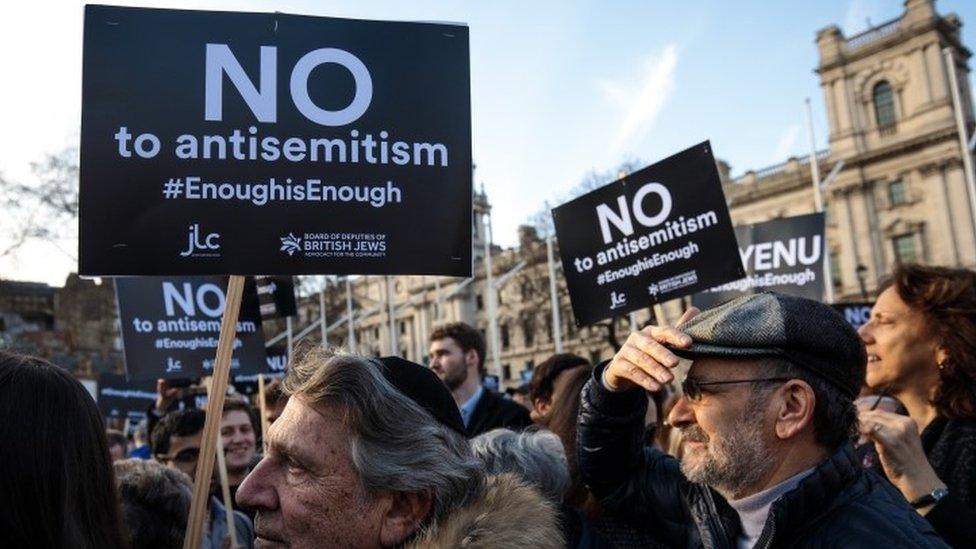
838	505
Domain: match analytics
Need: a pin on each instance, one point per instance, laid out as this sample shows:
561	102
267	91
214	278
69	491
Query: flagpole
557	332
818	201
492	316
967	158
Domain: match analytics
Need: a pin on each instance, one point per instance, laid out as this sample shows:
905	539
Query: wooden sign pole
215	406
225	491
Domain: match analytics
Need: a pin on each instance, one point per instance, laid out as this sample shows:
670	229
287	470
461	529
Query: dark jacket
493	411
950	445
839	505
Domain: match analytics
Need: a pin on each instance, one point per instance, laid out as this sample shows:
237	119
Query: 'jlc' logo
617	300
197	248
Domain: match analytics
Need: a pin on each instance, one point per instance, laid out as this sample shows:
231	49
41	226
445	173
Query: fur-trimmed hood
509	513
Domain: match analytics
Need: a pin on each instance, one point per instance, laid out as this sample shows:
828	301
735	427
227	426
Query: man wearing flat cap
373	453
766	421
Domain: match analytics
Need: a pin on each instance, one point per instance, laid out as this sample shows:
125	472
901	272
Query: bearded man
457	356
766	420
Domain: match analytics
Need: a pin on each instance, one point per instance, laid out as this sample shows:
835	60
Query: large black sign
118	397
657	234
276	361
782	255
857	314
170	327
220	143
276	296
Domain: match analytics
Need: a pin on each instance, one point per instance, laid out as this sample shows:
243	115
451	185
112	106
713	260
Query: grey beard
736	462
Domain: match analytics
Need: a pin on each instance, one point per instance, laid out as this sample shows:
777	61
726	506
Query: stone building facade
901	194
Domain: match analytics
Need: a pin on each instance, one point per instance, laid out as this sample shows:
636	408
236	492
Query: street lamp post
861	272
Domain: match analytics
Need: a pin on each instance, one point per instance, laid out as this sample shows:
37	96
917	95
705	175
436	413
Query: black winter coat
950	445
493	411
839	505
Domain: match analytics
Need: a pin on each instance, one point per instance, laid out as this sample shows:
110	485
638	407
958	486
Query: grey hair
155	502
537	456
395	444
834	414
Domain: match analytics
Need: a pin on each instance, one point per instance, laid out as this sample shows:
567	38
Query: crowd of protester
767	421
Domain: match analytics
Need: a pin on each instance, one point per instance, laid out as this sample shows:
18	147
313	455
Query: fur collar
509	513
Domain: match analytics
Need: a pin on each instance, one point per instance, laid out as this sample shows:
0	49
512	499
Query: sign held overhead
657	234
273	143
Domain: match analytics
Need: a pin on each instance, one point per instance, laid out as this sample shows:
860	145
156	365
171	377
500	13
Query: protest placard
782	255
119	397
170	327
220	142
656	234
276	362
276	296
857	313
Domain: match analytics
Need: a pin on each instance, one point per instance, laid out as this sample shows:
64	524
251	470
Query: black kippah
423	387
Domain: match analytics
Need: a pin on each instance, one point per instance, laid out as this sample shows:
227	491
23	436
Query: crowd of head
767	421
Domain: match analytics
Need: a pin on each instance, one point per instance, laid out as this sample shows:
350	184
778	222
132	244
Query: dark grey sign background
693	182
801	226
145	69
118	397
142	298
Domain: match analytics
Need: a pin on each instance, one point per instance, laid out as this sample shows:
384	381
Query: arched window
884	104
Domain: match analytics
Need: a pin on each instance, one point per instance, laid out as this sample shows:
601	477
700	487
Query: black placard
657	234
854	313
170	326
783	255
276	363
119	397
276	296
221	142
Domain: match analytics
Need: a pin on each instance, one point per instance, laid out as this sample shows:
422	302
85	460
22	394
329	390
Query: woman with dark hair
555	392
921	347
56	485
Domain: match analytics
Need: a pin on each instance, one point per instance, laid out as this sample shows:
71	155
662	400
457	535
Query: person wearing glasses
766	420
176	441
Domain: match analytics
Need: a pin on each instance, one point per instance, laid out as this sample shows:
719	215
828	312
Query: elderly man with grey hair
537	456
373	453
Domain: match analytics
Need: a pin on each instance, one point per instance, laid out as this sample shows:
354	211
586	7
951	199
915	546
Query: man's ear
405	513
470	358
795	403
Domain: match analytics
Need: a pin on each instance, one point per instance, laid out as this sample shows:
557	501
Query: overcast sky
558	88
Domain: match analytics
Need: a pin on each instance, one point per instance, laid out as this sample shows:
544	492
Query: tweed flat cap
806	333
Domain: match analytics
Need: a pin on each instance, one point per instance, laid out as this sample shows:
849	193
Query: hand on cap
899	448
644	360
